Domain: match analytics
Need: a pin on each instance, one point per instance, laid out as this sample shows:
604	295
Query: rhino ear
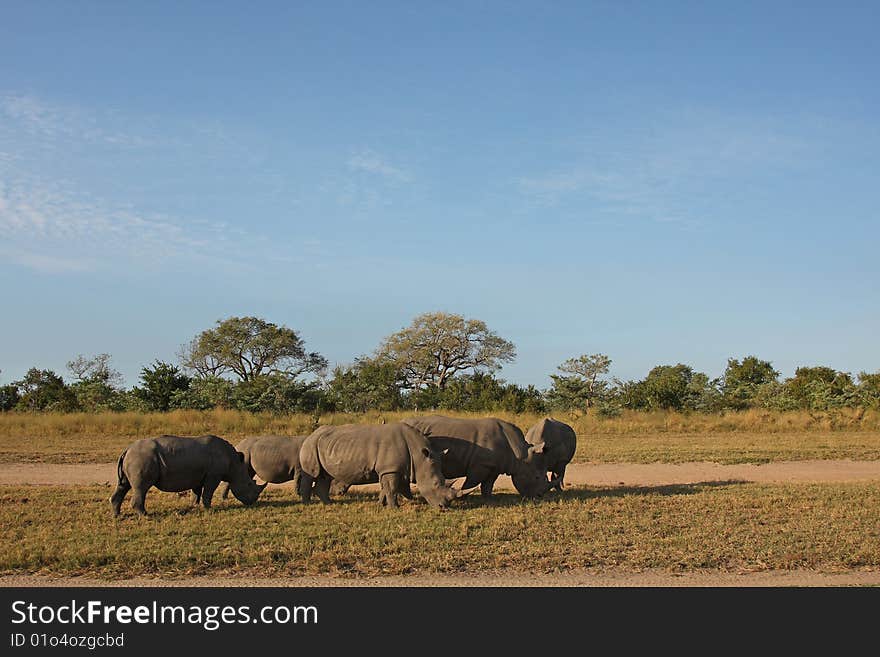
537	449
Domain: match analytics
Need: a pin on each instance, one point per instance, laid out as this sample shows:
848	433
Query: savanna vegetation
247	376
753	436
441	361
728	526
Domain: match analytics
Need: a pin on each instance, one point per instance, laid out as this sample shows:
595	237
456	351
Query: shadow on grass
472	501
590	493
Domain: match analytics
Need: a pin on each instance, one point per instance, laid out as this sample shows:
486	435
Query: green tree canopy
159	383
367	384
583	386
668	386
249	347
742	380
436	346
43	390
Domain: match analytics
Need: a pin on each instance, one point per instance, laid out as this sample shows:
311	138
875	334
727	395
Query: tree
436	346
275	393
667	386
97	386
159	383
43	390
479	392
249	347
821	388
583	387
366	384
742	379
869	389
9	397
95	370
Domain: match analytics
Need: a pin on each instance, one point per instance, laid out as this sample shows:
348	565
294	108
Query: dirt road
596	578
604	474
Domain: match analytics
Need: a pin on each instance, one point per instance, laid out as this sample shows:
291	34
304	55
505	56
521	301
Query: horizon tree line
441	361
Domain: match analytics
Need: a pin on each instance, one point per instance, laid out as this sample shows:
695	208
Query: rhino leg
118	496
197	496
138	497
560	473
322	488
487	485
338	488
305	487
208	488
296	479
390	484
224	490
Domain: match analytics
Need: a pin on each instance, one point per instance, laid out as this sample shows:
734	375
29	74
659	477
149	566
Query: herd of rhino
426	451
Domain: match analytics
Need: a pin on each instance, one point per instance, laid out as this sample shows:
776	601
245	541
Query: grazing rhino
559	443
175	464
394	455
481	449
274	459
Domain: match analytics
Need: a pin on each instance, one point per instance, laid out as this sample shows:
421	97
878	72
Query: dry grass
751	436
729	526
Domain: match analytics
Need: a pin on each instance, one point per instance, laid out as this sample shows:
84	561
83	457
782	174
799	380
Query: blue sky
660	182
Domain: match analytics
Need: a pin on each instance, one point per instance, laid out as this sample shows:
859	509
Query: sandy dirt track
604	474
592	578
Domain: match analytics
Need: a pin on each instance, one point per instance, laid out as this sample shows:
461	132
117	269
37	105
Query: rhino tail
120	473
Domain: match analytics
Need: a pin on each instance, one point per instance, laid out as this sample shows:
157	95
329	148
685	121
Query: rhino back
356	453
181	462
274	458
472	442
245	445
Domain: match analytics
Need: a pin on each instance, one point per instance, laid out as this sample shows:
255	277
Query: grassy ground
725	526
751	436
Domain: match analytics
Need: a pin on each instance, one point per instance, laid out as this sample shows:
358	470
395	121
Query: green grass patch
746	437
728	526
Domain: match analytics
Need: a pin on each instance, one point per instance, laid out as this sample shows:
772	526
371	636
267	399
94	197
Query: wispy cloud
50	264
663	172
371	162
53	121
40	219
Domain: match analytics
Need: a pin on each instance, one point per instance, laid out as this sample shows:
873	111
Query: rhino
559	443
481	449
175	464
274	459
394	455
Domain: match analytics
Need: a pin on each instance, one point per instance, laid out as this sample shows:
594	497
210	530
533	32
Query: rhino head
430	480
537	457
245	489
529	480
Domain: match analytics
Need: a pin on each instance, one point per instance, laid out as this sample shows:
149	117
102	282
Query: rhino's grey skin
175	464
481	449
274	459
394	455
559	443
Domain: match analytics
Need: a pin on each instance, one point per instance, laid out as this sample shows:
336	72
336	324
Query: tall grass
747	437
233	424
